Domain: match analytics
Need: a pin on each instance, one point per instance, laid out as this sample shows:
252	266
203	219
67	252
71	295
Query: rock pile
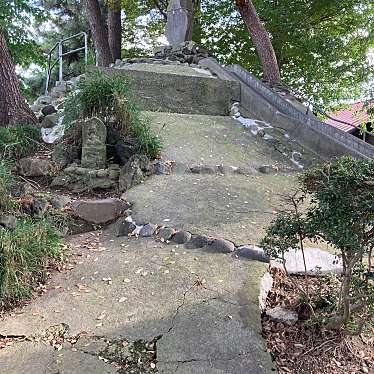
49	108
186	52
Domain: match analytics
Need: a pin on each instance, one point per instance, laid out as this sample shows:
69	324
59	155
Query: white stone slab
318	262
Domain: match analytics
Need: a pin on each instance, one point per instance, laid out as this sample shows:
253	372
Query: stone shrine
93	144
180	21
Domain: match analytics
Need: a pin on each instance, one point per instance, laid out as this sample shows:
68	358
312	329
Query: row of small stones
224	169
127	227
113	171
155	61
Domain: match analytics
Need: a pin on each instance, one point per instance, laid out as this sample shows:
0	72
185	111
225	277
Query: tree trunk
261	40
13	107
197	30
114	28
99	32
191	19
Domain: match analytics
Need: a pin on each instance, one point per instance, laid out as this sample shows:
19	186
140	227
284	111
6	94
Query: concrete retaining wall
263	103
175	93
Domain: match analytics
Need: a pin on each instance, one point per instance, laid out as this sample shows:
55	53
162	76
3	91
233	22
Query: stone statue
93	144
180	21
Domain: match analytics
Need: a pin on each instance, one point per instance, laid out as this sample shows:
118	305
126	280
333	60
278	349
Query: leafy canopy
321	46
16	21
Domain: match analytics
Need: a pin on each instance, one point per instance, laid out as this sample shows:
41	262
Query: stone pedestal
180	21
93	144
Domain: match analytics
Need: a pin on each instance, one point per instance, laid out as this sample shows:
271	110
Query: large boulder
318	262
99	211
35	167
134	172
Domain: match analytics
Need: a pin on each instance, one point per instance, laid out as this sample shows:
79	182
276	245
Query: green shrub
24	255
340	213
108	98
18	141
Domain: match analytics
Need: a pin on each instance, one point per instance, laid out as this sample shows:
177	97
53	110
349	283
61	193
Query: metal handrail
61	55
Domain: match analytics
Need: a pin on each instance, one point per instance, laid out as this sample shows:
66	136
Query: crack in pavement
210	359
180	306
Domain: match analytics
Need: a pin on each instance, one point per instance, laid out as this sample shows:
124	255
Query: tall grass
108	97
6	180
24	255
18	141
24	251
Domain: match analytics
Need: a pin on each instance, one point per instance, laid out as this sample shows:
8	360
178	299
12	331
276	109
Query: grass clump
108	98
25	250
6	180
24	255
18	141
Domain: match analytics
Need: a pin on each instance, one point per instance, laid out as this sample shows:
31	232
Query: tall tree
99	32
13	108
261	40
114	28
322	47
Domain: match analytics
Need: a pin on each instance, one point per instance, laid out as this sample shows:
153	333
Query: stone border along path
229	169
127	227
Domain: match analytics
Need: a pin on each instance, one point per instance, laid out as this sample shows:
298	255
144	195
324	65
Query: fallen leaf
101	316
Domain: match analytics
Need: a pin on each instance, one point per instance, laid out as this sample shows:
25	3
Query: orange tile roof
355	115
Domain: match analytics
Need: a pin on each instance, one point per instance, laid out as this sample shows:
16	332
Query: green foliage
18	141
14	16
106	97
321	46
24	255
95	96
340	213
24	251
6	181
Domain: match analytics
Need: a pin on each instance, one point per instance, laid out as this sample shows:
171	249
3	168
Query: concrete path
136	305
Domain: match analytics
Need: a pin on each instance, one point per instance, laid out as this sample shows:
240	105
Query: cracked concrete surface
201	307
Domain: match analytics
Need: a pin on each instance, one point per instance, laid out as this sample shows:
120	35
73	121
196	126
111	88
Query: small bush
108	98
341	213
24	255
18	141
